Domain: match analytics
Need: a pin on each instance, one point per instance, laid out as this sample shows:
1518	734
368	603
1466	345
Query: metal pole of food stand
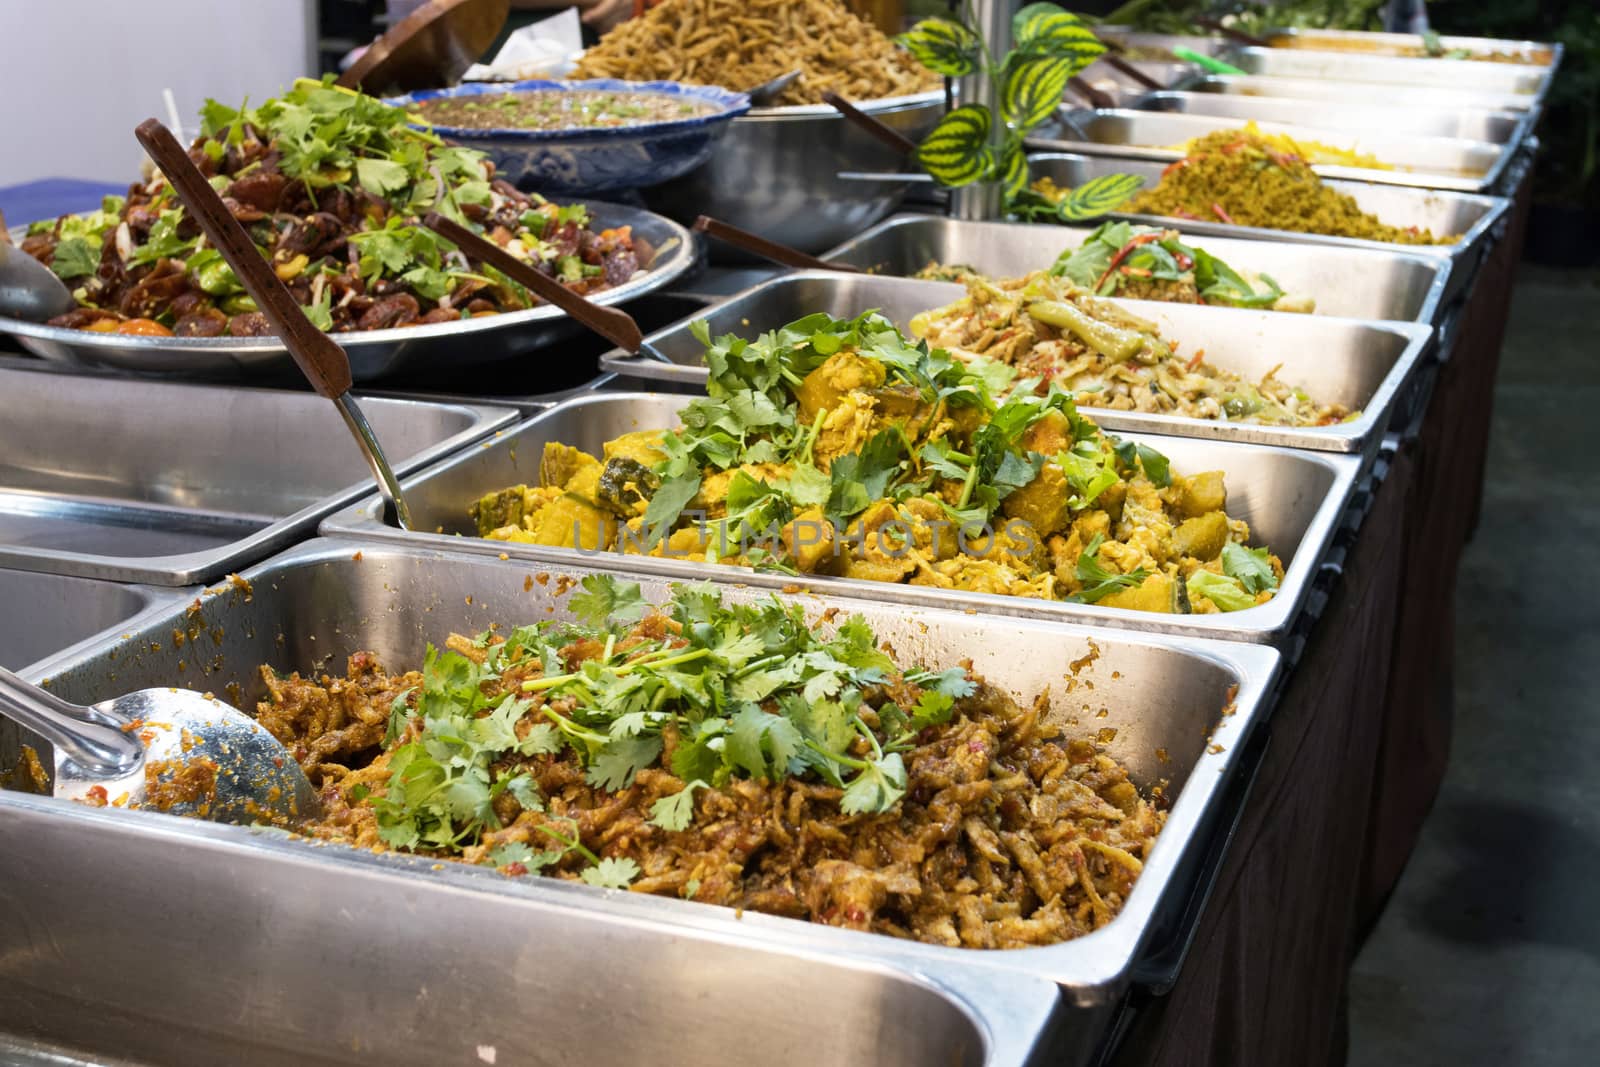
985	200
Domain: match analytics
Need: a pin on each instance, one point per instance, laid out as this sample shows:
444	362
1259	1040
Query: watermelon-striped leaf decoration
1032	88
957	151
1047	30
1098	196
943	46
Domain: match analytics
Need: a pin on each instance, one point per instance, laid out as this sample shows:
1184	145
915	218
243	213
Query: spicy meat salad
840	447
559	109
329	184
730	754
1046	327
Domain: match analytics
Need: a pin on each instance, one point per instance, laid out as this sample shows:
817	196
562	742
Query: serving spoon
772	251
29	290
325	365
614	324
204	758
765	93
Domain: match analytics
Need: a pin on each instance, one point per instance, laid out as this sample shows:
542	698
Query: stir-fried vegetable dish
1236	177
1310	151
838	446
1146	263
329	185
1048	328
732	754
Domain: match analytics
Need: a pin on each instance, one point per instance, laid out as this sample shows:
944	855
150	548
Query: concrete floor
1489	952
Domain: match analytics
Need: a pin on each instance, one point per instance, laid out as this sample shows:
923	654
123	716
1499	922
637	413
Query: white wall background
76	76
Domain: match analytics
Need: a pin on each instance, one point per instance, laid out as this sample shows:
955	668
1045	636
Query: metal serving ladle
765	93
29	290
319	357
110	753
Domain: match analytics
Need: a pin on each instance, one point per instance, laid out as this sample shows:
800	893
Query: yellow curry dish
841	447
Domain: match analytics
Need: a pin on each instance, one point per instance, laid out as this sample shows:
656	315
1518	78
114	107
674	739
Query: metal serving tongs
613	324
202	757
324	364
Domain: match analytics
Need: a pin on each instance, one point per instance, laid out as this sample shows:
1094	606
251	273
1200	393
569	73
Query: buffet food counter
1004	643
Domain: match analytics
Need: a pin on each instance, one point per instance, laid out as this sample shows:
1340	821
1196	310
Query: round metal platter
373	353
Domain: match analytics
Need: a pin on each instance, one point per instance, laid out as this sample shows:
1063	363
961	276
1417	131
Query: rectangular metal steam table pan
175	484
1366	94
1532	82
1354	283
1442	211
1291	499
1470	124
323	916
45	613
1540	55
1362	365
1417	160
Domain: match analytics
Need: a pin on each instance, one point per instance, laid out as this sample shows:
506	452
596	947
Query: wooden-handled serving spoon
755	244
324	364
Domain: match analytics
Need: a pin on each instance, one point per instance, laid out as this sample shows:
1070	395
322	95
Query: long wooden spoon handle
1216	26
755	244
320	358
889	136
615	326
1118	63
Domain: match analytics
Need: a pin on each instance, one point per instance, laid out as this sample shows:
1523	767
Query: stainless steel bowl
776	172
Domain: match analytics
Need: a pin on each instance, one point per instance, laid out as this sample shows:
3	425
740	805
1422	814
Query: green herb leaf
1226	593
676	812
614	768
1251	566
606	599
381	177
74	257
1098	581
612	873
877	788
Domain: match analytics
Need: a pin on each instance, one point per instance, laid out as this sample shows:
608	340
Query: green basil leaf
957	151
943	46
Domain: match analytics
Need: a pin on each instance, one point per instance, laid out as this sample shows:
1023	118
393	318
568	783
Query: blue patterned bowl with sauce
593	160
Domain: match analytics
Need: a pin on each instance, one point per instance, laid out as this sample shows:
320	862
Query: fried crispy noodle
738	44
1008	834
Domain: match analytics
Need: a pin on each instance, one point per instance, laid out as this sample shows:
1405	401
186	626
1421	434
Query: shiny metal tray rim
672	259
1360	435
1427	313
1090	969
1494	208
1450	42
1269	623
1413	177
1522	121
210	564
993	999
1283	87
1399	66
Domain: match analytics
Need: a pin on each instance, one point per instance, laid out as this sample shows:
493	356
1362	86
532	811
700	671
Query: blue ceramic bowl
591	162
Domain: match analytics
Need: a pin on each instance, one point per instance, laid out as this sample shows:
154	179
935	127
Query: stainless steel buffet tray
311	607
176	484
1291	499
1464	123
45	613
1426	161
471	344
1475	75
1541	55
1351	283
1442	211
1400	98
1362	365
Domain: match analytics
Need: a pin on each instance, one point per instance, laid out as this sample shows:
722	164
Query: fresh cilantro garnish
676	811
1098	581
606	600
74	257
612	873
